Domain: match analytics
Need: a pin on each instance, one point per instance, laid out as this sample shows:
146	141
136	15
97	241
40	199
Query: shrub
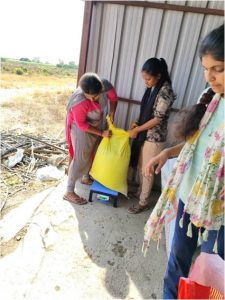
46	72
59	65
6	69
19	71
24	59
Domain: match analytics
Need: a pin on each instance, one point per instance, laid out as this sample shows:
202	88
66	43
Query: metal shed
118	36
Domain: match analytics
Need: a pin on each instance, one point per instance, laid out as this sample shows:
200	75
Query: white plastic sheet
49	173
15	159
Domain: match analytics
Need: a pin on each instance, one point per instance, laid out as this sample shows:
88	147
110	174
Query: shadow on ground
113	239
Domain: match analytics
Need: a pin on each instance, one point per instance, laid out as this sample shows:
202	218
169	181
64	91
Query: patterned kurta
161	110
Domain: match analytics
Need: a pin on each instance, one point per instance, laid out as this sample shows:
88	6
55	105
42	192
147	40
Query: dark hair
190	118
187	120
213	44
90	83
155	66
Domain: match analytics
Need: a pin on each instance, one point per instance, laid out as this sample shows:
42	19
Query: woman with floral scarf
198	174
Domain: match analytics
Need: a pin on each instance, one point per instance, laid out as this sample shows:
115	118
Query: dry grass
26	81
41	113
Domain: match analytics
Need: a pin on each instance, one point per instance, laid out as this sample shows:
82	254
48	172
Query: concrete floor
78	252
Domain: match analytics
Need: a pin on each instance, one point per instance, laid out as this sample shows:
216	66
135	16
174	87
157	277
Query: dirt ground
38	111
97	247
41	112
83	252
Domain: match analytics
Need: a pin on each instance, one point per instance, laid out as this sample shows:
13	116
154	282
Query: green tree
24	59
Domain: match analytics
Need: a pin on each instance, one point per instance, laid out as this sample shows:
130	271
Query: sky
48	29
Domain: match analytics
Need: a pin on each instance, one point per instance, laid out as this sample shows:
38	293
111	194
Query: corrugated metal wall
123	37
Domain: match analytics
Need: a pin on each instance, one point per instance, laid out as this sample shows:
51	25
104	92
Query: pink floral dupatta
203	203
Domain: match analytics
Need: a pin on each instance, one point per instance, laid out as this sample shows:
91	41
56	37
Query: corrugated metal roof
123	37
148	41
197	3
95	33
127	57
196	81
176	2
184	55
219	4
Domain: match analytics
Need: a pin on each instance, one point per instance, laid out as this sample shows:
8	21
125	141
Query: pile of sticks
38	152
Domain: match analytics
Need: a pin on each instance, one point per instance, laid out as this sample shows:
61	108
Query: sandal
138	209
74	198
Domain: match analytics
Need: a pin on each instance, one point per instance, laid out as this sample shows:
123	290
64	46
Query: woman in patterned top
151	129
198	174
85	123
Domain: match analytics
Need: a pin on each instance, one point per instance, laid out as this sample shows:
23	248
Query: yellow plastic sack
111	162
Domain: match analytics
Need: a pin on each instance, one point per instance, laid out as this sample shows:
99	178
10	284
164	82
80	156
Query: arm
174	151
80	114
113	105
161	159
148	125
93	130
163	103
208	270
134	125
133	132
112	96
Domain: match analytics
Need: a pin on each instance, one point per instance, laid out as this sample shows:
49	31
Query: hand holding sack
110	166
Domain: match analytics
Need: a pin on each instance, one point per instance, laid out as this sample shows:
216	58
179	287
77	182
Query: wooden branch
14	192
41	156
47	151
4	152
50	145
